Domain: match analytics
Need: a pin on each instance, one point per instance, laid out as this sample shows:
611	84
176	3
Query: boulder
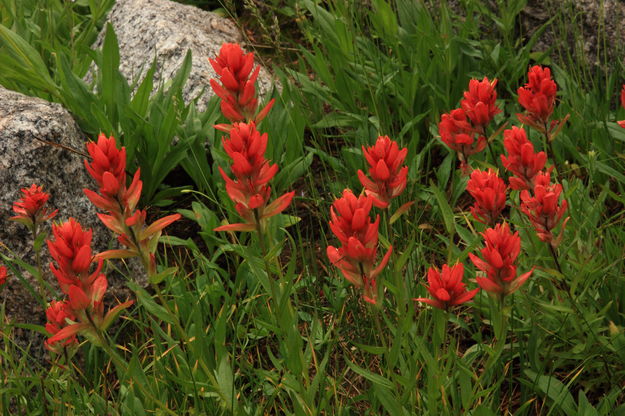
166	30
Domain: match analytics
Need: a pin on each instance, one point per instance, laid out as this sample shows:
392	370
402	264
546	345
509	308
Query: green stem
490	149
43	286
378	326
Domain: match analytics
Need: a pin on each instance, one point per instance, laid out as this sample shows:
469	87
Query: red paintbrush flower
31	209
105	157
350	221
3	275
622	122
120	202
479	103
388	177
543	208
237	84
57	314
538	98
447	288
249	190
489	192
499	255
71	250
458	134
521	160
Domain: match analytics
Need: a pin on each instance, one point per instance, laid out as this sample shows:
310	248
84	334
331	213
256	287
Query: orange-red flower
479	102
58	314
237	84
249	190
350	221
522	161
622	122
70	248
538	98
446	287
458	134
544	209
123	218
106	157
489	192
31	209
499	255
3	275
389	177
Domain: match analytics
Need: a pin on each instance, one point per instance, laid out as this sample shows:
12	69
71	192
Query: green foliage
251	325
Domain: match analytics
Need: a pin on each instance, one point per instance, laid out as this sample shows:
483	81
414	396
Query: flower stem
43	285
490	149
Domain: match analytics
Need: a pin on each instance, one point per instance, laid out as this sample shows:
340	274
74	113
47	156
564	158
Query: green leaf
555	390
144	299
374	378
445	209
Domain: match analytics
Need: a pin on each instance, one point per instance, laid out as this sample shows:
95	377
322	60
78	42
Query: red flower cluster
489	192
538	98
59	314
238	84
459	127
458	134
351	223
3	275
479	102
250	192
499	255
108	168
447	288
30	208
388	176
543	208
622	122
522	161
71	250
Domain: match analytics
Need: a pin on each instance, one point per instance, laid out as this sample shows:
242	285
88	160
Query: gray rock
167	30
26	124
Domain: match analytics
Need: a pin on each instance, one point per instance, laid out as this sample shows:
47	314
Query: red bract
71	250
106	158
57	314
622	122
3	275
350	221
489	192
238	84
447	288
499	255
479	102
389	177
249	190
521	160
543	208
30	208
458	134
538	98
108	169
